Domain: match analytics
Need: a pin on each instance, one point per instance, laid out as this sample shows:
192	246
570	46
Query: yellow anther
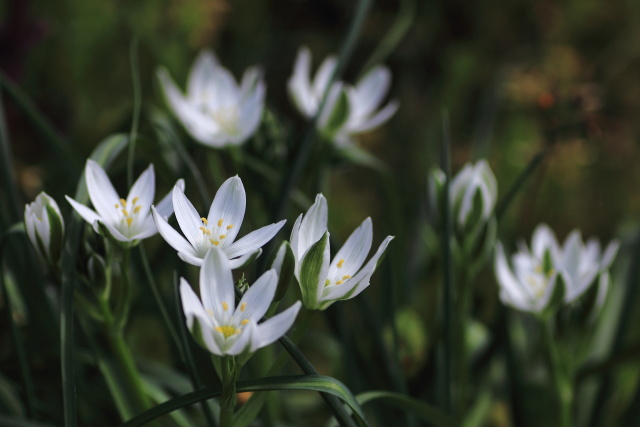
129	221
340	263
339	282
117	206
210	313
214	242
124	211
204	221
243	306
220	221
227	331
222	236
244	322
346	277
137	209
229	227
135	200
123	202
205	231
225	306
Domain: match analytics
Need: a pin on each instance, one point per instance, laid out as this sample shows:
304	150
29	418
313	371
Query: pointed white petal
242	343
144	189
172	237
190	259
510	291
543	239
254	240
87	214
201	73
323	75
355	250
379	118
274	328
189	220
216	285
294	239
103	195
229	206
191	306
251	112
370	91
609	254
244	259
313	225
256	301
165	206
299	84
115	232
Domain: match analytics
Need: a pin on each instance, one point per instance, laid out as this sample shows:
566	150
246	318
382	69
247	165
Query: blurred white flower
45	227
127	220
216	111
529	283
219	229
474	193
323	281
349	110
221	326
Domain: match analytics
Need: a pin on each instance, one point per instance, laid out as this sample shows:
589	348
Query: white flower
474	193
219	228
215	110
323	281
531	281
45	227
221	326
349	110
127	220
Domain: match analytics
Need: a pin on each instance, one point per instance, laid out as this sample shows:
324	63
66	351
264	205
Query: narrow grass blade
9	182
517	186
427	413
319	383
133	135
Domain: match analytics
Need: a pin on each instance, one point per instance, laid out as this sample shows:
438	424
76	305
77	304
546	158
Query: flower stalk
561	378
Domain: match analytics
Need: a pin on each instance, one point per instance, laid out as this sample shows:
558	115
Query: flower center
540	280
228	331
227	119
216	233
338	279
128	213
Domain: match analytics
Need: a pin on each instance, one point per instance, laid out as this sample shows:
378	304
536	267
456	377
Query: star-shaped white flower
127	220
218	229
216	111
324	281
221	326
349	110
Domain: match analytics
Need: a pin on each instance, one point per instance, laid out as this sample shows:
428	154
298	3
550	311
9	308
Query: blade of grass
135	78
519	183
9	182
426	412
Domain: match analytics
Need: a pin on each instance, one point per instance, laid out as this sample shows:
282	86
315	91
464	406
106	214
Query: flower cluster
548	269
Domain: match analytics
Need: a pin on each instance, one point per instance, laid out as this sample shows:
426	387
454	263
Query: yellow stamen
137	209
340	263
220	221
204	221
346	277
244	322
229	227
210	313
227	331
222	236
124	211
135	200
339	282
225	306
205	231
129	221
243	306
214	242
123	202
117	206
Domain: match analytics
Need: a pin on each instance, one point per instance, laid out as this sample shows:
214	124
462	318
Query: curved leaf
426	412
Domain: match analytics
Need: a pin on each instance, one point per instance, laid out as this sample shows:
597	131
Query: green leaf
319	383
56	234
312	265
339	114
424	411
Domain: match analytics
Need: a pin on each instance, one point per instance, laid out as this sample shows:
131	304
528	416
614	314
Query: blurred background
515	77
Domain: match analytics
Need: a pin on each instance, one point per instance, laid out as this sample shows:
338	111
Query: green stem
228	397
560	377
463	315
135	76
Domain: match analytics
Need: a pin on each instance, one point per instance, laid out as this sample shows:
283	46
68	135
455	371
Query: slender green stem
228	398
447	305
135	77
6	165
510	195
561	381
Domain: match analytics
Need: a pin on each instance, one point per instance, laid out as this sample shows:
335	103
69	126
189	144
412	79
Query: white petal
274	328
609	254
144	189
115	232
299	84
323	75
354	251
216	285
370	90
201	73
191	305
543	239
189	220
244	259
165	206
511	291
572	251
172	237
229	205
258	298
313	225
190	259
242	343
379	118
251	113
254	240
87	214
295	233
103	195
